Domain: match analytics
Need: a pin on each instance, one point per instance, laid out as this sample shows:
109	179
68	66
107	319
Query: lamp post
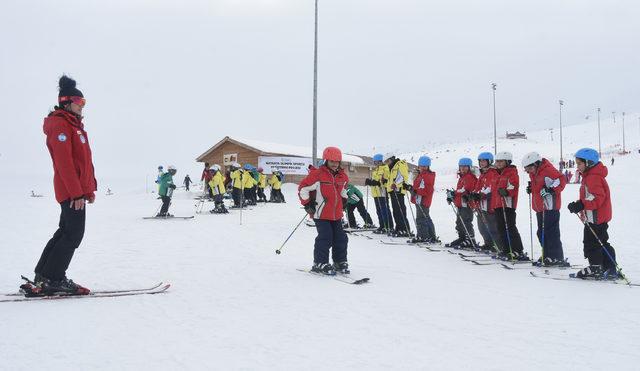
495	129
624	146
599	142
315	89
561	102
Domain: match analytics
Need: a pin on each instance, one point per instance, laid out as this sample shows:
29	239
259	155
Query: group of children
491	196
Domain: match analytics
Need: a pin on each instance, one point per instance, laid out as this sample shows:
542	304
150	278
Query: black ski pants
549	236
236	194
58	252
424	225
507	230
399	212
488	229
166	202
594	251
384	215
330	236
362	210
464	224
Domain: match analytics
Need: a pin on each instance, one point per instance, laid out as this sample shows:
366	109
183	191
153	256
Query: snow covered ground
235	304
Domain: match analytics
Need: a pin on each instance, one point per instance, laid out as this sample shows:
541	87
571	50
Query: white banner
287	165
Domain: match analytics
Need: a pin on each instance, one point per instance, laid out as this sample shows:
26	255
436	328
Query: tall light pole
495	127
315	89
599	142
624	147
561	102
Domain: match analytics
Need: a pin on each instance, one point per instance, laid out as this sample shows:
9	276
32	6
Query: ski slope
235	304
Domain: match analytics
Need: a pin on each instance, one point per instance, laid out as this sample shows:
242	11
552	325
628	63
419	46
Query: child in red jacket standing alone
323	192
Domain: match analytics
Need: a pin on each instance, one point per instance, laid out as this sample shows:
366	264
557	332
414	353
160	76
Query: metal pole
599	142
315	90
561	104
495	130
624	147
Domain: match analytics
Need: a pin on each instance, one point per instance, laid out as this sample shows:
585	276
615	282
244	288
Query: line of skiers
492	196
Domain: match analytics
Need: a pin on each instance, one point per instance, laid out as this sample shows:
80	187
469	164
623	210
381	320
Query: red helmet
332	154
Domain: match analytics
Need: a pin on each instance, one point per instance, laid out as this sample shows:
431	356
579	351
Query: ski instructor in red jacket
74	184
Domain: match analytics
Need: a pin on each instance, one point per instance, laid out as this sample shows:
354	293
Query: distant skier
323	193
378	182
166	191
276	184
594	208
75	185
546	186
613	160
460	198
355	201
481	197
235	177
422	194
187	182
206	178
248	185
504	200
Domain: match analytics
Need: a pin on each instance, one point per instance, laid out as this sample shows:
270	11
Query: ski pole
506	226
402	213
484	221
466	231
531	227
618	269
294	230
415	221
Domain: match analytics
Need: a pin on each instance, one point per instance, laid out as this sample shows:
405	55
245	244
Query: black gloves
466	198
503	192
371	182
408	187
310	208
575	206
529	188
450	196
344	200
172	186
475	196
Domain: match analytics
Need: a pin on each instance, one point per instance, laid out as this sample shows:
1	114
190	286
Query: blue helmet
378	157
424	161
465	161
589	155
486	156
248	166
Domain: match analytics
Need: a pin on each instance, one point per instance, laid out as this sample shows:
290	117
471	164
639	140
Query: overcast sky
165	80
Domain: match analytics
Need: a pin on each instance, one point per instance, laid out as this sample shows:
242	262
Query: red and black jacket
327	189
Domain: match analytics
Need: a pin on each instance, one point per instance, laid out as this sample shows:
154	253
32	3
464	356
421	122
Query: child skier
355	201
397	187
216	184
460	198
166	191
262	184
235	177
594	209
248	185
323	193
422	195
545	186
276	183
481	197
504	200
378	182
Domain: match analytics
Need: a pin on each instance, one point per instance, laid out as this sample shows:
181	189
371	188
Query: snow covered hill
235	304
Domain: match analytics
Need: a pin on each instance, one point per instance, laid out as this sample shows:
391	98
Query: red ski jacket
327	189
68	144
508	179
546	176
423	188
466	185
595	195
483	187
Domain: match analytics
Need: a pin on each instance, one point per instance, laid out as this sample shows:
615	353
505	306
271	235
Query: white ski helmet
216	167
171	167
531	158
504	156
236	165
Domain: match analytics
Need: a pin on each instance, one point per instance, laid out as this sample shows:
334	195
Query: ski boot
380	230
521	256
323	268
612	274
64	286
341	267
368	226
590	272
417	239
454	243
434	241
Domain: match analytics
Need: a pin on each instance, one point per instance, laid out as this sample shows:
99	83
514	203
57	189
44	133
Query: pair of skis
345	278
549	276
158	288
